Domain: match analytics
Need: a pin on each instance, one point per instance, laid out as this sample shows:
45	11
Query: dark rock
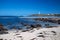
38	25
33	26
3	32
58	21
1	39
23	30
41	36
54	32
2	28
33	39
40	33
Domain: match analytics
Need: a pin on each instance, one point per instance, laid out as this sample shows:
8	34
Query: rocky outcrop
2	29
58	21
38	26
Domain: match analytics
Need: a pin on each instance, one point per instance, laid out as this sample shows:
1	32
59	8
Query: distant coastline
31	15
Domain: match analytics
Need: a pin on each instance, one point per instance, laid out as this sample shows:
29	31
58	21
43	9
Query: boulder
2	28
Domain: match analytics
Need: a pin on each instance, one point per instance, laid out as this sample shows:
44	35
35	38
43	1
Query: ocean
10	21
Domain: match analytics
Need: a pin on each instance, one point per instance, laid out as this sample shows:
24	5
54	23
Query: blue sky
28	7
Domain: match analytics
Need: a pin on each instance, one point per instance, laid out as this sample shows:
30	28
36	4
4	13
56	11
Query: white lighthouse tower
39	12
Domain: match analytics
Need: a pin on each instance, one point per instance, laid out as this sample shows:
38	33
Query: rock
40	33
54	32
58	21
2	28
41	36
33	39
1	39
3	32
38	25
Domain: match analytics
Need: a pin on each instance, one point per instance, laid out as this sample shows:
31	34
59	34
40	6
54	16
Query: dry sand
40	34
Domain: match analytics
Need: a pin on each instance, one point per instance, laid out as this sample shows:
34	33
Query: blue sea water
10	22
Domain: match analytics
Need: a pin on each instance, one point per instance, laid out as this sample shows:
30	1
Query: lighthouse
39	12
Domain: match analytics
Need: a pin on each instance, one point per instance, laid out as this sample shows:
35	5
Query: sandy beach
40	34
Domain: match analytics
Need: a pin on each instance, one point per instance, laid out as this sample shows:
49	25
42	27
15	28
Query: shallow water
10	22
